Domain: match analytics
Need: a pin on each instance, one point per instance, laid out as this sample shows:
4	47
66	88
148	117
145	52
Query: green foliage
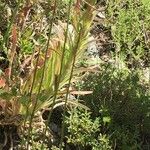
121	95
48	51
84	132
67	44
53	47
129	22
49	48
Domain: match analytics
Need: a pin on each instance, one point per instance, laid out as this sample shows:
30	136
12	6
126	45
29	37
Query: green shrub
129	23
119	94
84	132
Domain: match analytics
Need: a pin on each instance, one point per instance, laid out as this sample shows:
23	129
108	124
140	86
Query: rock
92	47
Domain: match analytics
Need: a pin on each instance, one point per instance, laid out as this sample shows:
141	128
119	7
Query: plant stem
6	36
42	76
61	67
66	98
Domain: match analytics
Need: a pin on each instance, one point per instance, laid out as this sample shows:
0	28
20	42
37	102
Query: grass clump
84	133
45	50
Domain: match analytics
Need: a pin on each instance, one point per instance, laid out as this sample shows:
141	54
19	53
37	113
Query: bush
84	132
129	23
119	93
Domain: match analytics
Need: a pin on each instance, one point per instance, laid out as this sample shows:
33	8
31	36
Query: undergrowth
101	105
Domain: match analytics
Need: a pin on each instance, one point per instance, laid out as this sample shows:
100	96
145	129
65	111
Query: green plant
129	22
84	132
53	50
123	96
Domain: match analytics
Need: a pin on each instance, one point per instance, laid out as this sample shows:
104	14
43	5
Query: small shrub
83	132
129	23
120	95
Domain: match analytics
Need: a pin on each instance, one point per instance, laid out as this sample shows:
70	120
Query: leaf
106	119
14	37
2	104
81	92
7	72
5	95
14	45
70	102
2	82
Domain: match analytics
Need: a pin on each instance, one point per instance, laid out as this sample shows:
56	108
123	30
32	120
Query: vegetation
122	99
54	95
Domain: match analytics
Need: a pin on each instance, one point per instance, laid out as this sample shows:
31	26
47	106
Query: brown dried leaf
81	92
2	82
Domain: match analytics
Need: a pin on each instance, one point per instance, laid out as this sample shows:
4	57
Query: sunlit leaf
81	92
